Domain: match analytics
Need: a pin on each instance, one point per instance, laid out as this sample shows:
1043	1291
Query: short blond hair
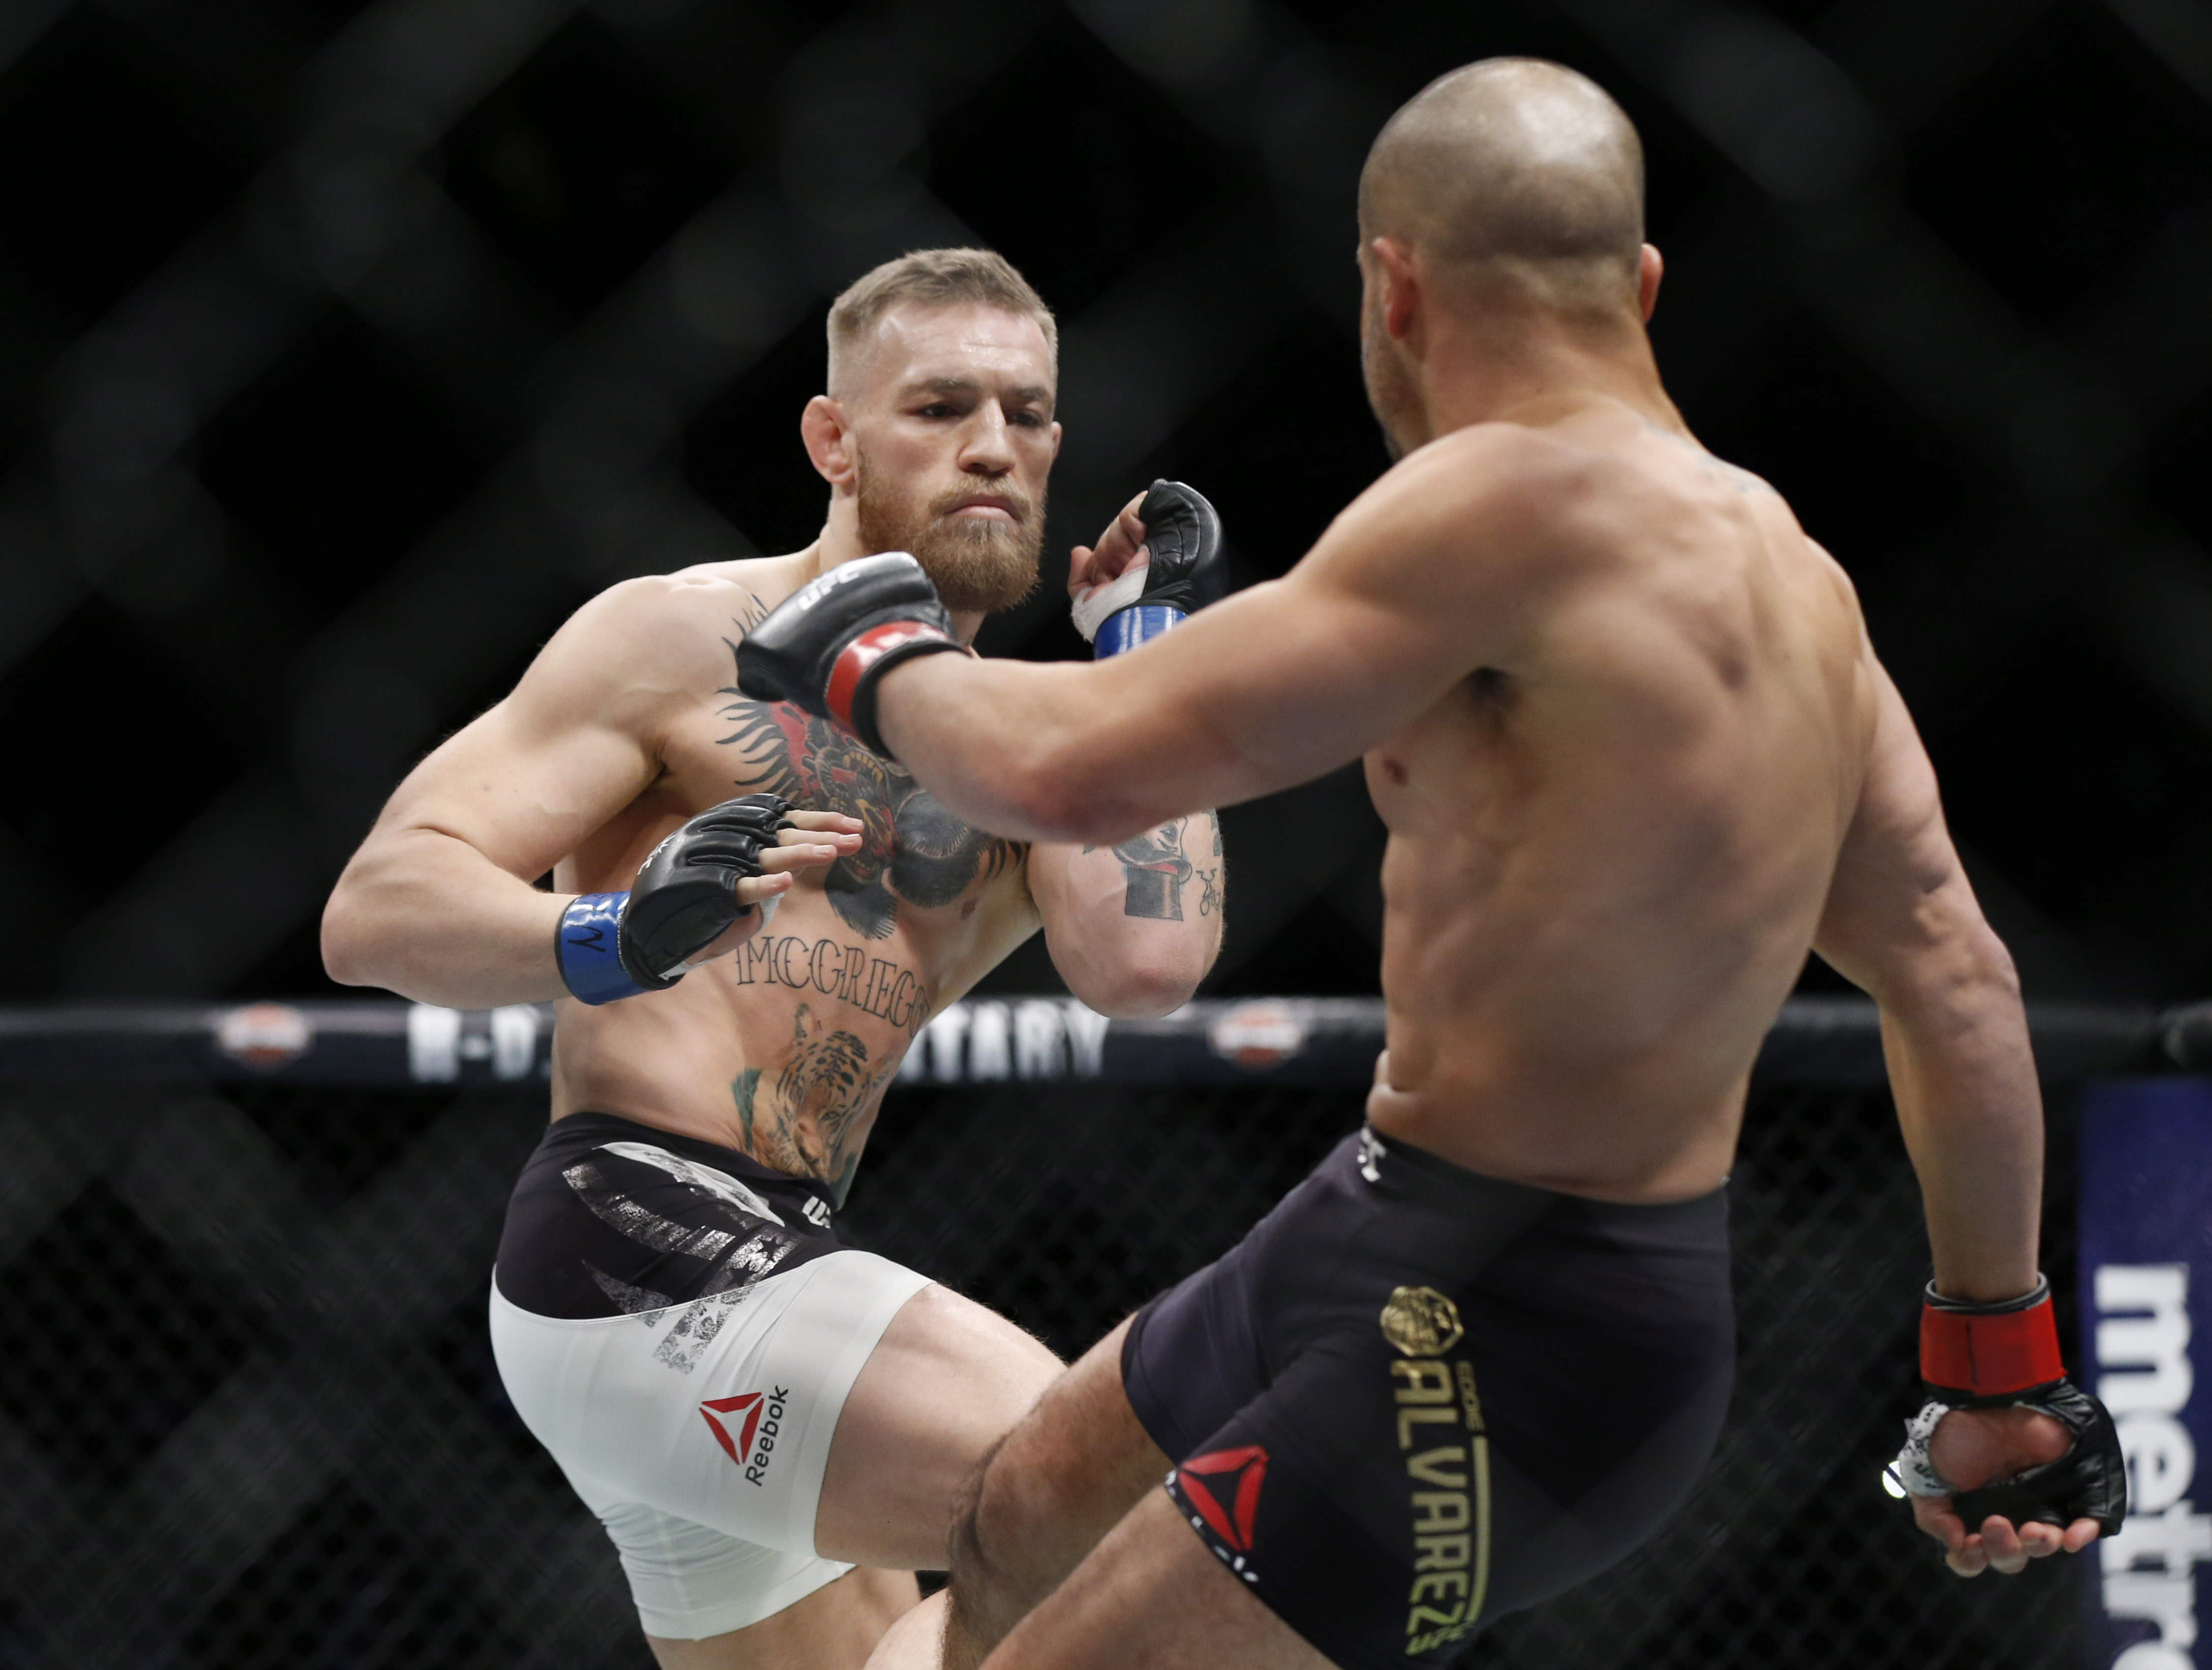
933	278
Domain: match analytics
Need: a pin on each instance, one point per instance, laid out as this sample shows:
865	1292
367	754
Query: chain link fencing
346	346
249	1415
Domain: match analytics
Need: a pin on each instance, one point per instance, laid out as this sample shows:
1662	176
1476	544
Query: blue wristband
589	942
1140	623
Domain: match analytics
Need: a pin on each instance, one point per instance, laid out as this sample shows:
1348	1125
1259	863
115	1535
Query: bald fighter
773	1427
1637	757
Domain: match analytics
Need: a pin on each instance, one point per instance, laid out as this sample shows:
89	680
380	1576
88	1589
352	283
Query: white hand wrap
1913	1468
1094	603
767	908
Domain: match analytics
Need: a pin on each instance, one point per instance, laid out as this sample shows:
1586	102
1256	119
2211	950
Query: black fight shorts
1414	1398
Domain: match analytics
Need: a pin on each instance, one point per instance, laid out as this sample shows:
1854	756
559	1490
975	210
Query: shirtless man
773	1429
1636	758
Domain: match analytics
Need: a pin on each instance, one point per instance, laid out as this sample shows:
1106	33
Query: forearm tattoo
1209	878
1153	869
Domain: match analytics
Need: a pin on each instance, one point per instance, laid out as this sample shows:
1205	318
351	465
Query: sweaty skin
1636	758
1617	712
784	1047
1610	843
630	722
779	1043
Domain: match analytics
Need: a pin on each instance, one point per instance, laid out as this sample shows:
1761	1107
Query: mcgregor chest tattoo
913	851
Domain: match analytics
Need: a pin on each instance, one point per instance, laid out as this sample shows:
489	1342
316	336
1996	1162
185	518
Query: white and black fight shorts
678	1326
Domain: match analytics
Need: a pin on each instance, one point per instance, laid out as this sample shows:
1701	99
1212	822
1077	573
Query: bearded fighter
773	1428
1636	758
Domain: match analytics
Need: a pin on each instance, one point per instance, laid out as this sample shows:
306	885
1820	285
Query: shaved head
1513	172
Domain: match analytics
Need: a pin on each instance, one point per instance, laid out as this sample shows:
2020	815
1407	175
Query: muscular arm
439	904
1133	928
1424	578
1902	923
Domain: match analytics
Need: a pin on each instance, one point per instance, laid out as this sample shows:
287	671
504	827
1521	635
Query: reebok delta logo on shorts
758	1415
1221	1493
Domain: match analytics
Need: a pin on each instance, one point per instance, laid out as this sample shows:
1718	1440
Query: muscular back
1611	842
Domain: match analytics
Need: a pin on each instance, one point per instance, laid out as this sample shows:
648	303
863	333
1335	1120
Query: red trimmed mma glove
824	646
1182	539
615	945
1992	1355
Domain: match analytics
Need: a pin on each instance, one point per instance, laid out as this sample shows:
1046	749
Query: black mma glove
1991	1355
824	646
614	945
1183	533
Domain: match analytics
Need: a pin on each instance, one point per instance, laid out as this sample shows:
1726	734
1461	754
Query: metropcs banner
2146	1273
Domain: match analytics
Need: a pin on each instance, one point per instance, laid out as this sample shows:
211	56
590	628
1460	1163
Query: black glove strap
2090	1481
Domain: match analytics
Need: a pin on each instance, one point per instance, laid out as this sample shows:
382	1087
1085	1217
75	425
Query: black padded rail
378	1041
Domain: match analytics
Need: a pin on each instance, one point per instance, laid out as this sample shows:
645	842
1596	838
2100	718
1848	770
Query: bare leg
1060	1481
834	1628
916	1642
1152	1595
945	1383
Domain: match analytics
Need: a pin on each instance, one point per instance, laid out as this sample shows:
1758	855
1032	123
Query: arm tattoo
1155	869
1210	879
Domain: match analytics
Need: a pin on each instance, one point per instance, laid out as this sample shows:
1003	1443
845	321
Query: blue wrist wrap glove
1182	538
615	945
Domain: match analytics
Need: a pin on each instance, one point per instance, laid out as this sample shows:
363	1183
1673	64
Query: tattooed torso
784	1047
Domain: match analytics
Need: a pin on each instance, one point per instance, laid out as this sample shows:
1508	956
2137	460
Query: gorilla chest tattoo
913	852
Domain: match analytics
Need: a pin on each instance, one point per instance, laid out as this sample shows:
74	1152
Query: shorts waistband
592	1126
1437	1178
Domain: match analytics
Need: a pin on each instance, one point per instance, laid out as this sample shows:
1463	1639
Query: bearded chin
979	565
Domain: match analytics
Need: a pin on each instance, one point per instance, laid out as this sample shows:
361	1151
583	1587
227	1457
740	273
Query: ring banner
1829	1042
2146	1276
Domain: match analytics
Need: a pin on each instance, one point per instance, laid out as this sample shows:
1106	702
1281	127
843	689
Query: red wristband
854	660
1984	1352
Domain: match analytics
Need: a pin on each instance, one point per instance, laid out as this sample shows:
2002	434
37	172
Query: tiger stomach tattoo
801	1112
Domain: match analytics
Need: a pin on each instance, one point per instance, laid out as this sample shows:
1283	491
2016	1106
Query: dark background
344	348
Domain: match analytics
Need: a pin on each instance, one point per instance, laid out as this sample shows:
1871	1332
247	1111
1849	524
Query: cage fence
249	1415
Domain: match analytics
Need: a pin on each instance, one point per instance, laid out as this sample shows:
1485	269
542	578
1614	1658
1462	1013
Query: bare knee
1006	1554
1041	1497
978	1576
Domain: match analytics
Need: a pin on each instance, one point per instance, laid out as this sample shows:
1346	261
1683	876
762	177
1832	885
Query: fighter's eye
939	409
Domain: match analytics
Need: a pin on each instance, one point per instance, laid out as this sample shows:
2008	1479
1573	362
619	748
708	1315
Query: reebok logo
1220	1491
746	1426
748	1406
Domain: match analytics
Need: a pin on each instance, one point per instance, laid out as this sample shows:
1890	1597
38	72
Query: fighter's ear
829	437
1651	267
1399	282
